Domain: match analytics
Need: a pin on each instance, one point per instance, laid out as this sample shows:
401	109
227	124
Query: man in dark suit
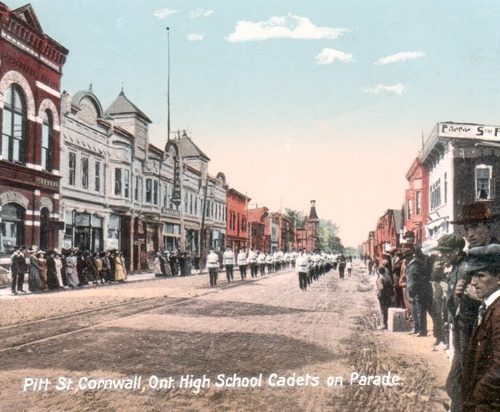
480	389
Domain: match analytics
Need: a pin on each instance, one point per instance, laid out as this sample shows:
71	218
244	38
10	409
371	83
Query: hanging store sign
469	131
173	150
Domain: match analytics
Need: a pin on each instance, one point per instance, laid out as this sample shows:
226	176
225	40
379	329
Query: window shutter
493	184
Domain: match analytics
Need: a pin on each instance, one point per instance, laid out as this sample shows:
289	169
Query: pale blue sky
284	128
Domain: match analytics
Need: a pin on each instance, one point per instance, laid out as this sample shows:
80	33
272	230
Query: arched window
14	125
47	128
11	228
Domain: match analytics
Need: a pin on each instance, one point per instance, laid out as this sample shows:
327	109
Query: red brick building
236	219
307	237
416	207
387	233
30	92
259	237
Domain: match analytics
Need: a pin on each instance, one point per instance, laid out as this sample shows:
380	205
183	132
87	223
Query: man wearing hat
480	389
460	310
414	281
477	220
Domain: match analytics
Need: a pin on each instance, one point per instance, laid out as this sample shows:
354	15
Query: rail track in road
21	335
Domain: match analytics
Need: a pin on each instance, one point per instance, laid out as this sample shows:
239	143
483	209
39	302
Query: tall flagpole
168	84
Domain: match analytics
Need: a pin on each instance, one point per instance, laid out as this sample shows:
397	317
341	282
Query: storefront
171	236
83	231
113	239
12	230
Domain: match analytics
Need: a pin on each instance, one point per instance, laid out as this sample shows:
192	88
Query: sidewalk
5	290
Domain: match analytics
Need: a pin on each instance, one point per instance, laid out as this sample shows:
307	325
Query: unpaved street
179	327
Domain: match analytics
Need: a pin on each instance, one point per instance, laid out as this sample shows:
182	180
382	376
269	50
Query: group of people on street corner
460	290
68	268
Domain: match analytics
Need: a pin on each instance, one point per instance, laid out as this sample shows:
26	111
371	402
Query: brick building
416	206
462	160
237	219
387	233
259	239
30	92
307	237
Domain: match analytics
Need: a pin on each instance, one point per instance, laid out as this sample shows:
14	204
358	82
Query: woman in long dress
59	267
119	270
71	272
33	276
42	264
52	280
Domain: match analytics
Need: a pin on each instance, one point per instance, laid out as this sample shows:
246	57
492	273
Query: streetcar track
74	316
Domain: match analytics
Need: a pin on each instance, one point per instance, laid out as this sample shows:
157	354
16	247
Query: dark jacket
18	264
481	373
415	274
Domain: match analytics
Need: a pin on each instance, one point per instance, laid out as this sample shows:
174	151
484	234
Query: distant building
416	206
257	219
387	233
307	237
237	219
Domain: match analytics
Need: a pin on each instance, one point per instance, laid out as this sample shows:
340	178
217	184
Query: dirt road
289	349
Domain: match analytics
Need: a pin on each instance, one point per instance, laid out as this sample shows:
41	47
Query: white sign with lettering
469	131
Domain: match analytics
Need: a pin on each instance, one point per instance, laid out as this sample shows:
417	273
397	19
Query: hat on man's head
474	213
409	233
449	243
483	258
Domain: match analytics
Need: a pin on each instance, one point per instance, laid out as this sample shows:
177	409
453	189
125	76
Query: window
155	192
149	190
190	204
14	125
435	190
126	183
97	177
85	172
71	168
485	183
408	209
418	203
118	181
47	127
11	227
137	188
446	188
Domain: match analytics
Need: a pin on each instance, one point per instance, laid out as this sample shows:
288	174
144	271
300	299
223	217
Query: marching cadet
302	268
252	261
213	267
270	263
242	263
261	262
228	260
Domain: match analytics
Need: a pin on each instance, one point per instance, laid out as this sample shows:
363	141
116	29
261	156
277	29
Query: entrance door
44	228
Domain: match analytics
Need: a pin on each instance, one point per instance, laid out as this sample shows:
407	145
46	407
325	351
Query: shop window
14	125
47	129
485	183
113	240
71	168
12	231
